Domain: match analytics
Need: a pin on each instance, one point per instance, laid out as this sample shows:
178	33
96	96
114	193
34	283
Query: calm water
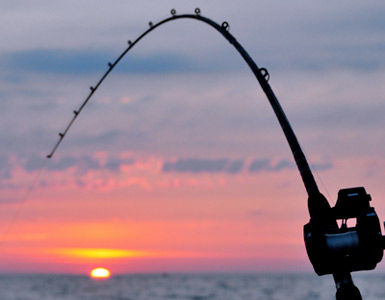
183	287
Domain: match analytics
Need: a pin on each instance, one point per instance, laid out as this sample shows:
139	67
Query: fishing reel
356	248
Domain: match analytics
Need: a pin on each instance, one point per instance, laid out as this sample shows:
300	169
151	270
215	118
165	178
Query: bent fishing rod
332	249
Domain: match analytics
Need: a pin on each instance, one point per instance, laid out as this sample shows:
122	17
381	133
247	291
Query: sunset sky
178	163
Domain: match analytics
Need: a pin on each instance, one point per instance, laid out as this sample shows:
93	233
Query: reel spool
346	248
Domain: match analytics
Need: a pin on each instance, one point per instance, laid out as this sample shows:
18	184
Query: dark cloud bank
196	165
84	164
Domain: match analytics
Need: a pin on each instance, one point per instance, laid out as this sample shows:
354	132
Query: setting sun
100	273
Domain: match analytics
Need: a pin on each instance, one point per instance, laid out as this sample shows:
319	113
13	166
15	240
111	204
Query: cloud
235	167
81	62
273	165
94	171
260	165
321	166
108	137
6	166
313	37
255	213
114	164
53	61
83	163
197	165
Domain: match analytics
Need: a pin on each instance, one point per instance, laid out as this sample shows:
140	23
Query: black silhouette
331	249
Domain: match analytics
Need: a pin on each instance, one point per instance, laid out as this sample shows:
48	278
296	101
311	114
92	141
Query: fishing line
320	179
322	183
22	202
321	214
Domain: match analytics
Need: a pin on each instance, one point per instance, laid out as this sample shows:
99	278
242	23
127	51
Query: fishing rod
332	249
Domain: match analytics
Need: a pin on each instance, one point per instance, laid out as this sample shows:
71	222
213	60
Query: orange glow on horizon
100	253
168	231
100	273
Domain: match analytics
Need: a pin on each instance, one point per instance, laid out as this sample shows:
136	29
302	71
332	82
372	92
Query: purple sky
183	100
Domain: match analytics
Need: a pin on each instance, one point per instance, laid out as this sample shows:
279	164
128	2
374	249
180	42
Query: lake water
184	287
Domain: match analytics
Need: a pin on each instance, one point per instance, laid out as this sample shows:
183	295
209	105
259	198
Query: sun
100	273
